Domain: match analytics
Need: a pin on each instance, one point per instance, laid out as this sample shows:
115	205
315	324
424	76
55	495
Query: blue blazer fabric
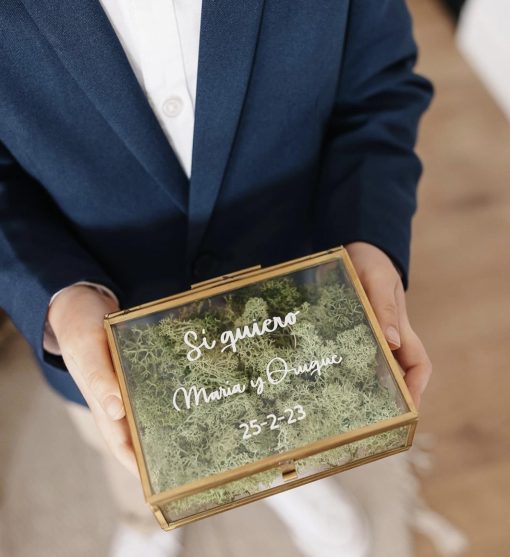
305	126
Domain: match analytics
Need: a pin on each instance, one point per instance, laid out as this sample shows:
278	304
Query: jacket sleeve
369	170
39	254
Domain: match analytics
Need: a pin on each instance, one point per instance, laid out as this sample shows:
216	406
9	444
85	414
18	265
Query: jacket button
204	265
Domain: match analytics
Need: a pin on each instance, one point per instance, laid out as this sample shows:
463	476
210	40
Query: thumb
384	302
91	368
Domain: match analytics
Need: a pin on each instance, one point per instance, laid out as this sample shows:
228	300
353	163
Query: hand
76	317
385	291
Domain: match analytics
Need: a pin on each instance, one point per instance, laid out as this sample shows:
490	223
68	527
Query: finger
121	446
117	438
89	362
381	291
417	366
414	361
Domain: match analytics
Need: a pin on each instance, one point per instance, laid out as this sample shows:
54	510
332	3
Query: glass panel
253	372
212	498
370	446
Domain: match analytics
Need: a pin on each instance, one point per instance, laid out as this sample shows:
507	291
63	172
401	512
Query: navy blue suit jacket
306	117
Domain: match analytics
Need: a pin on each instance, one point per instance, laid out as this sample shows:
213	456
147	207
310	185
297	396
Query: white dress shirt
161	40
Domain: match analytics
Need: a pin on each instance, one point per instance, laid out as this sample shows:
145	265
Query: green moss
207	439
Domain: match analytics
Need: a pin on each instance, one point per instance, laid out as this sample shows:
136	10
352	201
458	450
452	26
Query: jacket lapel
228	38
85	42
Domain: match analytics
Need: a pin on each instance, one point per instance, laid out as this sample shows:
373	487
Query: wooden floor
460	292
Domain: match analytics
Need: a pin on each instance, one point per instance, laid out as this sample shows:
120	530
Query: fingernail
114	407
393	336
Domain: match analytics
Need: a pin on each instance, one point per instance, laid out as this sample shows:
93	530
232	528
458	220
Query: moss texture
183	446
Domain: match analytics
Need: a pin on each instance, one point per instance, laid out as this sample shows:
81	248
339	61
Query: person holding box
148	145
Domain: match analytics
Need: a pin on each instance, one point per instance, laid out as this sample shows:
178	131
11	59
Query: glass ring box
256	382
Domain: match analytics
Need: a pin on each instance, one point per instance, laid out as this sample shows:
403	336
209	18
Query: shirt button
172	106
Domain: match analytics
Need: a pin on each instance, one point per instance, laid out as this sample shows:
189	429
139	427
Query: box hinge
226	276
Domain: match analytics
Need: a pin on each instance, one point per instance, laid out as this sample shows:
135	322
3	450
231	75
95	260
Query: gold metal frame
284	461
